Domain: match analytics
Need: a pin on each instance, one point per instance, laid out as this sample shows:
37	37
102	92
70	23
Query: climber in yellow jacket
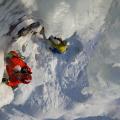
57	45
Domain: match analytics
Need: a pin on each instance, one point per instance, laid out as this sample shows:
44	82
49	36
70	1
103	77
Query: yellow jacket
60	47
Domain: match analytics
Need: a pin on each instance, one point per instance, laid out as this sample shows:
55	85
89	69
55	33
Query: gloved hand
26	70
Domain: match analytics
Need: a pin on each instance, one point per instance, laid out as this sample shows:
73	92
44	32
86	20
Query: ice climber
57	45
17	70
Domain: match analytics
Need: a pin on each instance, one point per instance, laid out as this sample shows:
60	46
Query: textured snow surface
6	95
84	83
1	65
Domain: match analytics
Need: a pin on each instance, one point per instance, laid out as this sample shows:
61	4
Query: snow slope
6	95
1	65
81	84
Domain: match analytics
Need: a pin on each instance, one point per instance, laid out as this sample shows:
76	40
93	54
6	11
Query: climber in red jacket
18	71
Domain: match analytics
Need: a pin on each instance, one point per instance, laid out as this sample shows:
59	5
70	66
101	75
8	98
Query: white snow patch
22	94
6	95
1	65
63	18
116	65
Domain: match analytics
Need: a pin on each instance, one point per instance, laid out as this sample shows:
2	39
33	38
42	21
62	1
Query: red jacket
15	78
